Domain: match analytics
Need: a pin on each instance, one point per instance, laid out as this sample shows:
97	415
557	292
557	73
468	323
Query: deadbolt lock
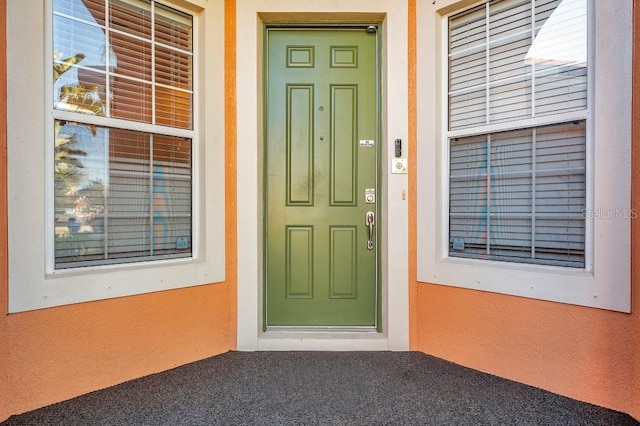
370	195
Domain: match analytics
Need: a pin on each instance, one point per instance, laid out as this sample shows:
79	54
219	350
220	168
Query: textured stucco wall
587	354
55	354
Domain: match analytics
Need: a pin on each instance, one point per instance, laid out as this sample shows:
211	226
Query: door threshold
322	339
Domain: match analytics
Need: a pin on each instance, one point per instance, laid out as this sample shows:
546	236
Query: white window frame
605	281
33	283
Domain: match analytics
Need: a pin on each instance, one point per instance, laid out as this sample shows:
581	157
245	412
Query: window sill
551	283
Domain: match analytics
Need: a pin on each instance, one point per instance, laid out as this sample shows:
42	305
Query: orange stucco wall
55	354
587	354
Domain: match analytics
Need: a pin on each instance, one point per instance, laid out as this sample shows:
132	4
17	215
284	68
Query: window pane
86	10
560	242
467	30
173	108
78	67
80	186
173	103
468	109
519	196
132	17
85	95
173	68
173	28
120	196
506	57
134	56
71	36
559	54
467	68
511	239
132	99
117	68
561	89
509	19
525	63
510	100
171	192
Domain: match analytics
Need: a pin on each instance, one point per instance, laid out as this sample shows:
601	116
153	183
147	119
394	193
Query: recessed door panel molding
300	144
344	258
344	56
299	262
300	56
344	113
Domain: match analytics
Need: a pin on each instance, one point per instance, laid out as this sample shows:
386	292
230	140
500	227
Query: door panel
343	137
321	101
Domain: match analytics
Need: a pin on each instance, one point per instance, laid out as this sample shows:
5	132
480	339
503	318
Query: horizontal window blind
518	195
122	195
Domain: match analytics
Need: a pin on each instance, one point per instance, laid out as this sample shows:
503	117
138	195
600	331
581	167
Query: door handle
369	220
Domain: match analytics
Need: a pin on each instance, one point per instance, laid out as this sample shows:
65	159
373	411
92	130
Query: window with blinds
517	131
123	131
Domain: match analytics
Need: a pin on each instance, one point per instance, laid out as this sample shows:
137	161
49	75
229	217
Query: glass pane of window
134	56
120	195
118	67
173	28
131	99
468	108
173	68
173	92
79	79
510	100
467	68
86	95
132	17
560	89
509	20
519	196
80	195
517	59
86	10
467	30
173	107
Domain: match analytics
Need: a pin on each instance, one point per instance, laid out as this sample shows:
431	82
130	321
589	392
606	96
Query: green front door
321	178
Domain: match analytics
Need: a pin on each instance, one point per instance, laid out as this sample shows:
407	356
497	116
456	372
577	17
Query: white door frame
251	15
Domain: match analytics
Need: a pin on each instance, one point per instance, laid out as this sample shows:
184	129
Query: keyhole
321	108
